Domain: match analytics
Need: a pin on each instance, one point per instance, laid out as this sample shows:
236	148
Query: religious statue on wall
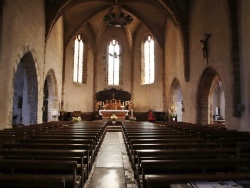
172	112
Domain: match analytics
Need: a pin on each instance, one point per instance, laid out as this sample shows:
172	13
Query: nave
112	168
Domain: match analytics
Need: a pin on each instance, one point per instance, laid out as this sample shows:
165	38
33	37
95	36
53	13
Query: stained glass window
113	63
78	60
148	61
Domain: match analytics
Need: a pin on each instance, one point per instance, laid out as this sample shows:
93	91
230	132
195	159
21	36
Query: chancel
124	93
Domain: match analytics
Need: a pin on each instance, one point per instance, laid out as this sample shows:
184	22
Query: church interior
124	73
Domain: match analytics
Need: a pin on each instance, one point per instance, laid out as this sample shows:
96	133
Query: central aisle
112	168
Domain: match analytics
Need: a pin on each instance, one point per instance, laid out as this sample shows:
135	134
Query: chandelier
118	19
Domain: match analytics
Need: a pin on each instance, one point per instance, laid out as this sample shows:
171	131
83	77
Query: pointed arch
51	98
207	86
25	91
176	100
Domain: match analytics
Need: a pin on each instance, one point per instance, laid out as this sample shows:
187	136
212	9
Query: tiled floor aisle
112	168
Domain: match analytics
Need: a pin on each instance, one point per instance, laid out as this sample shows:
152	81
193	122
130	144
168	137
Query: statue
205	47
97	105
172	113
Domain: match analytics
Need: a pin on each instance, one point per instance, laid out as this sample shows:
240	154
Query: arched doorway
50	98
210	98
25	95
176	99
216	102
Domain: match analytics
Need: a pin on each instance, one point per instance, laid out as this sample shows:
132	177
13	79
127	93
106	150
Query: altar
120	114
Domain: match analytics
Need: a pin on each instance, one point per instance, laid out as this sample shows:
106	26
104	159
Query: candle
123	103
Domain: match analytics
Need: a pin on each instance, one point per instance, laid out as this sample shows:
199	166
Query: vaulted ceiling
78	13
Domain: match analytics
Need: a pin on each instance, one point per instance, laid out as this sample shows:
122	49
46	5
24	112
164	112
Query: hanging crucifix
204	45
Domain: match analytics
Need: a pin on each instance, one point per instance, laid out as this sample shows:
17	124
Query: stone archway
176	99
210	97
25	94
50	100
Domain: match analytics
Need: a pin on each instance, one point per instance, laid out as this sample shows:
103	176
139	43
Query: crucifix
204	46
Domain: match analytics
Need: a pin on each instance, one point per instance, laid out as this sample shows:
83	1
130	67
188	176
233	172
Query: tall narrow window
78	60
148	61
114	63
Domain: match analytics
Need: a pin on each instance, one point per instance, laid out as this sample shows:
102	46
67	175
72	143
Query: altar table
106	114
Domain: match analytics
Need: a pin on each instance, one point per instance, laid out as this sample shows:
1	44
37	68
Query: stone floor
112	168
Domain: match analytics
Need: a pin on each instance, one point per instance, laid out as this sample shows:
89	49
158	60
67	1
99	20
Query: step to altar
114	128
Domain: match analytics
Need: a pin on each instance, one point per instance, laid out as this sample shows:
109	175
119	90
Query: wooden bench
70	155
75	132
232	141
127	139
95	141
45	140
51	146
182	154
66	169
216	137
243	149
207	166
173	146
163	141
163	181
31	181
94	144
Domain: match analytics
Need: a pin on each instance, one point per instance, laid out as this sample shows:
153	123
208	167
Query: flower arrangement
113	117
76	119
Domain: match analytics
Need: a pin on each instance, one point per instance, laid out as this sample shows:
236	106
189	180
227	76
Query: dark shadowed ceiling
151	13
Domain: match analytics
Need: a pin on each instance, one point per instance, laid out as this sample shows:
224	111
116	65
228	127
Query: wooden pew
163	181
157	138
31	181
243	149
165	140
233	141
206	166
95	145
216	137
96	135
51	146
66	169
32	154
174	146
187	154
46	140
162	136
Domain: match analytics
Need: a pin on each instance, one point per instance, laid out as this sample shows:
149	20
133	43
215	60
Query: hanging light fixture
118	19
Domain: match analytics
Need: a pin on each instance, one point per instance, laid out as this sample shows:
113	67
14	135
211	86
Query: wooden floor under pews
160	154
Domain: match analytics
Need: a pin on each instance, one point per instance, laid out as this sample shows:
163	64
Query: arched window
148	61
113	66
78	59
